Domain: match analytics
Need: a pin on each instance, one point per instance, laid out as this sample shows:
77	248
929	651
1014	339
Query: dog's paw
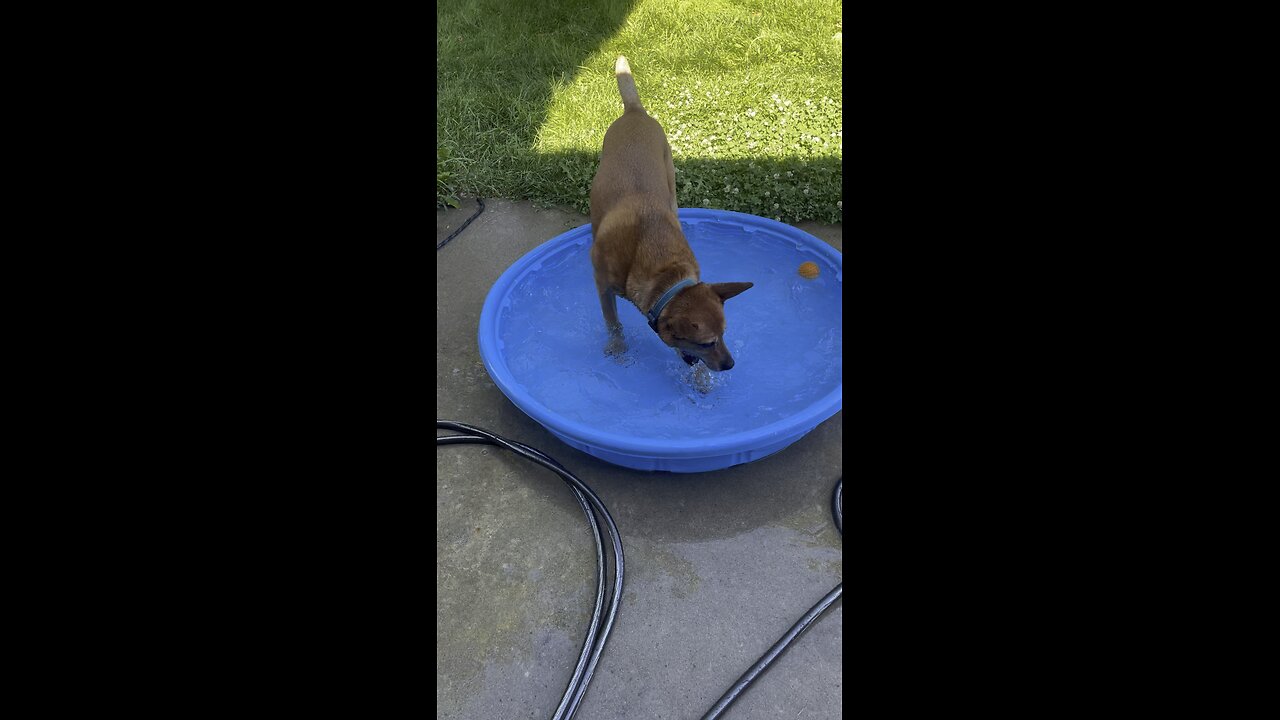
616	346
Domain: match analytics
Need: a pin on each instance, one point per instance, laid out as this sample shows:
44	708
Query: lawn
748	91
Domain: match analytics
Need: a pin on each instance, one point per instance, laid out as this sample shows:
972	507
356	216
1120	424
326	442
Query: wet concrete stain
657	565
515	579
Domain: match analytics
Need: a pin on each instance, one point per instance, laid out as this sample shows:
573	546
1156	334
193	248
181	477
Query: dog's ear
728	290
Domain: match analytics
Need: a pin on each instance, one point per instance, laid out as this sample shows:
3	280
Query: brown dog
638	249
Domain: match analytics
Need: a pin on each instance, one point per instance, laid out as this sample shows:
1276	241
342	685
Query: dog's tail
627	85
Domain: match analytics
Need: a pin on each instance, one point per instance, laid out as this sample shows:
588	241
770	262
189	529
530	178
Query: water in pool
784	334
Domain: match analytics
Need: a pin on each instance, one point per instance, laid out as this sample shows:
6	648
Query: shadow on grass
809	187
498	63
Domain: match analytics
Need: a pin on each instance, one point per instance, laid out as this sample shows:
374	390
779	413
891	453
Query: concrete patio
718	565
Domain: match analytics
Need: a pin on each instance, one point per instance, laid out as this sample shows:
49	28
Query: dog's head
693	323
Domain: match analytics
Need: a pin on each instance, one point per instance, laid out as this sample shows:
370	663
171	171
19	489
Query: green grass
748	92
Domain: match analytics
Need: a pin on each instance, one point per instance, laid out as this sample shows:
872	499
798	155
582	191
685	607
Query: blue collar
656	312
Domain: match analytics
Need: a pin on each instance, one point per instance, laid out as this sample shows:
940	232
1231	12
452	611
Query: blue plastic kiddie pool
542	341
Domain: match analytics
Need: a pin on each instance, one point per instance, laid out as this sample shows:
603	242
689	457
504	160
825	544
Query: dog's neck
665	299
653	291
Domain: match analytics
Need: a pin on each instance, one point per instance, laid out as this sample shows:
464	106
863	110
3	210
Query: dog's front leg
609	308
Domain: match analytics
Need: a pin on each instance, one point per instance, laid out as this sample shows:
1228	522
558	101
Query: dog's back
633	163
633	196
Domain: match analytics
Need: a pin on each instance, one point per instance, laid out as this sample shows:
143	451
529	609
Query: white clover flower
839	204
766	193
775	206
789	173
775	175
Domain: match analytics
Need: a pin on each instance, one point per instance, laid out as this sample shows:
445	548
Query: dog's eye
707	346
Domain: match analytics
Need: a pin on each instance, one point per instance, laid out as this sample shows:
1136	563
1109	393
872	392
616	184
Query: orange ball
808	270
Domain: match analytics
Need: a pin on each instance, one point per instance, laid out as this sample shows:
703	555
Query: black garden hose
780	647
454	234
597	635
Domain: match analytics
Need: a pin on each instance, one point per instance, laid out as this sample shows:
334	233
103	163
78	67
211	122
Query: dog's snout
727	364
